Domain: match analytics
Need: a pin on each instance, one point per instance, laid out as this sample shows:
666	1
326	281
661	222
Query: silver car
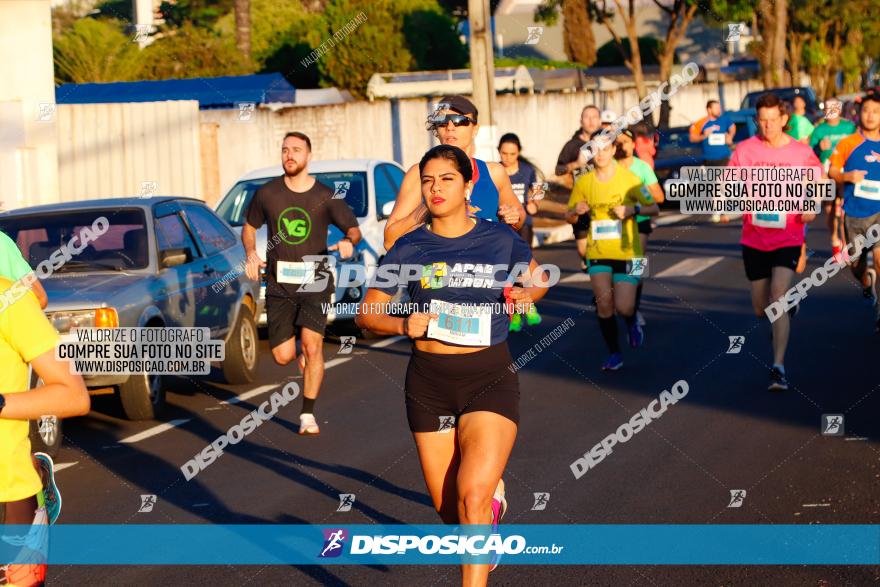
162	262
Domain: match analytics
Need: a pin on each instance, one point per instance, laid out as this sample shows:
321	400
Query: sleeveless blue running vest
484	196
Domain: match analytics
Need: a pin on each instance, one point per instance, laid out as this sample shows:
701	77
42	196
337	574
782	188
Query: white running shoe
308	426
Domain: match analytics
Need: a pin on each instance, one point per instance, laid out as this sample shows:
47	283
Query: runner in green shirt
823	140
800	128
625	149
13	267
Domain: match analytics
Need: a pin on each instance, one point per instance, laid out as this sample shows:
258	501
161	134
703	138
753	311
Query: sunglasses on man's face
456	119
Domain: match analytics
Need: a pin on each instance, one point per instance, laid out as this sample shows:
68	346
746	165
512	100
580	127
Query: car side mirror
174	257
387	207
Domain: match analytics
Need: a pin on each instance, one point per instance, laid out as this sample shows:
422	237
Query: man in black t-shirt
298	210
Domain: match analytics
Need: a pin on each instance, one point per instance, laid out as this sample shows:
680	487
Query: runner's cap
608	116
461	105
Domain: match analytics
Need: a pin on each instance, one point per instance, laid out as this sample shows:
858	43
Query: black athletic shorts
645	226
440	388
716	162
759	264
286	314
582	226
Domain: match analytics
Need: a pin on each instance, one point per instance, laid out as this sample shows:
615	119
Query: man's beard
297	169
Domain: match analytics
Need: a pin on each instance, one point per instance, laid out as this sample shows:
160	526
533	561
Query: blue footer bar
655	544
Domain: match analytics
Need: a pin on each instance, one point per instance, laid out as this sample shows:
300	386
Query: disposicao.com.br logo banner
569	544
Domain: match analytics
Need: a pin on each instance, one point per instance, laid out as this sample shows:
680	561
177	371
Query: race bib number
769	220
718	139
461	324
297	273
867	188
606	229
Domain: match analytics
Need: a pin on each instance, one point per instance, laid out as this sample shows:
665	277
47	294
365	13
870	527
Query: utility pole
482	64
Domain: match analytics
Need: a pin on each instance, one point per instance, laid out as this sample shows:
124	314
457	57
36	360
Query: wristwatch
637	208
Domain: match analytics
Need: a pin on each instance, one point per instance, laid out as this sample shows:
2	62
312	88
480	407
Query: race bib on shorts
297	273
769	220
867	188
606	229
461	324
717	140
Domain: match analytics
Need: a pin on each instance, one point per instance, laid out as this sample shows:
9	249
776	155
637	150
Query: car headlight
65	320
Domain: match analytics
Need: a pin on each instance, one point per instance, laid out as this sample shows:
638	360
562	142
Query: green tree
95	51
610	55
275	25
375	45
432	40
201	13
193	52
577	27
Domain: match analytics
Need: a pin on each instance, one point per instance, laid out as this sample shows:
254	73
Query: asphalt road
728	433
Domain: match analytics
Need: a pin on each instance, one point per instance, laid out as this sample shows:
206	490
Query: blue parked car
160	263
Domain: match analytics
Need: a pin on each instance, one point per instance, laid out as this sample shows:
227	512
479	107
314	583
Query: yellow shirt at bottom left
25	334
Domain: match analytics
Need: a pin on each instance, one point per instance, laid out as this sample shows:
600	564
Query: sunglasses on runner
456	119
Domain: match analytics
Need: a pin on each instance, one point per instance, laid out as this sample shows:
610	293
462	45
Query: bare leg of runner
485	441
624	299
313	350
440	457
780	282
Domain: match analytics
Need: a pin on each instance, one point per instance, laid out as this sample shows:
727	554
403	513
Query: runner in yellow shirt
613	196
26	336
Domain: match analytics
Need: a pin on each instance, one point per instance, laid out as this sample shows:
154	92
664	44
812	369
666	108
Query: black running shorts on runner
439	386
286	314
645	226
759	264
716	162
582	227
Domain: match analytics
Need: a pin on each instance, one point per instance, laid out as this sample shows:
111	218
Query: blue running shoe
636	335
613	363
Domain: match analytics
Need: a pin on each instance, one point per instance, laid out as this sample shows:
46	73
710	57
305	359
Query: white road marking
62	466
817	505
670	219
388	341
252	393
337	361
575	278
856	438
689	267
150	432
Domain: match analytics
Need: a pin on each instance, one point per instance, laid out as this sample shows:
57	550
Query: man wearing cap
607	118
823	140
454	122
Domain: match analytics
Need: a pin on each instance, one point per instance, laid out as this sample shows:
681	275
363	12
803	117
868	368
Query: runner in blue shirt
490	198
